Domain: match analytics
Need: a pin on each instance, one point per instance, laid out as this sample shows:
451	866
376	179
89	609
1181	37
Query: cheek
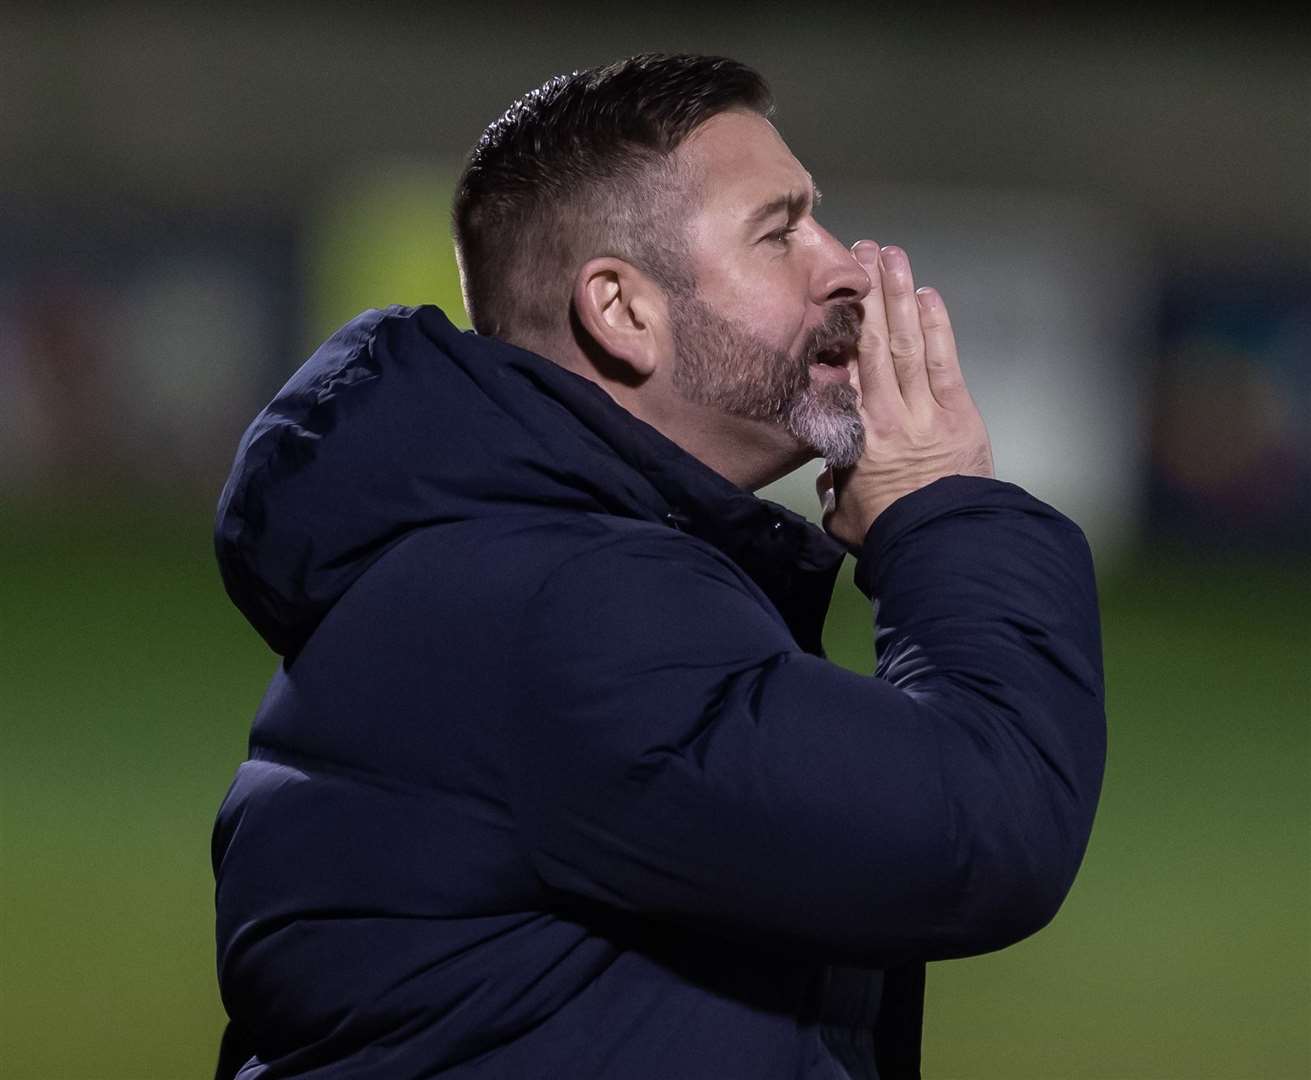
763	292
767	304
782	323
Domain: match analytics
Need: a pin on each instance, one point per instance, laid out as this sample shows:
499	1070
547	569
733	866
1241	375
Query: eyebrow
796	203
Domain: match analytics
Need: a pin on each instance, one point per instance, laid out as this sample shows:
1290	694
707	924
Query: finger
941	360
824	489
876	381
905	336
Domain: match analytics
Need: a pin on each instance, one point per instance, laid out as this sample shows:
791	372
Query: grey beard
827	420
725	366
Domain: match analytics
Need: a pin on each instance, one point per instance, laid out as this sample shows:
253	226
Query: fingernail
866	252
926	296
893	258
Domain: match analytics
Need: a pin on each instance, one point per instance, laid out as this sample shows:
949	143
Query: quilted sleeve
680	756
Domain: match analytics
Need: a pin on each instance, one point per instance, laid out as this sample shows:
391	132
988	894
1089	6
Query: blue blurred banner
1231	437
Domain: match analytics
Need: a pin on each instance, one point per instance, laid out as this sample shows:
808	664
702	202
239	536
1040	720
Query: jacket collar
401	421
792	561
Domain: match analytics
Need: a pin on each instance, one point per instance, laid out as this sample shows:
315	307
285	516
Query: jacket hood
401	421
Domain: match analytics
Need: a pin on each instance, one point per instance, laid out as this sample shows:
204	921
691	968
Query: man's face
769	331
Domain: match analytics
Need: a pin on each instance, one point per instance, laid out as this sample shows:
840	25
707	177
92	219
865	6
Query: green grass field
1183	952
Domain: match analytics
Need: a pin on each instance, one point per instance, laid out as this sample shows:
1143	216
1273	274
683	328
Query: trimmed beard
723	365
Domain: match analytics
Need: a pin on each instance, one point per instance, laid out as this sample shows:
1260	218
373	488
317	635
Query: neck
747	453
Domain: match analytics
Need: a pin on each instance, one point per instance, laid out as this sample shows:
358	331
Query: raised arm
692	763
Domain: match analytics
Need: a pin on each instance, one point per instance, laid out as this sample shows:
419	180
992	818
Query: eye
780	236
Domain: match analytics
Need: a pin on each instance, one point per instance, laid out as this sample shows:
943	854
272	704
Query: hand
920	422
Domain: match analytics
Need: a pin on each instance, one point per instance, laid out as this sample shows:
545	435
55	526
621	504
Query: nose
837	275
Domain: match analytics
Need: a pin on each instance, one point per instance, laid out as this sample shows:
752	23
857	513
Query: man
553	780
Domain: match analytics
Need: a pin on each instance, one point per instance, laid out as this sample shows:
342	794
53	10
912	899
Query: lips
831	364
832	350
834	353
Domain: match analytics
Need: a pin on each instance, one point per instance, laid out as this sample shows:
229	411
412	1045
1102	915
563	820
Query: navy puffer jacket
553	780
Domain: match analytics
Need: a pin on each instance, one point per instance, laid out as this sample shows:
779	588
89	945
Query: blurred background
1118	212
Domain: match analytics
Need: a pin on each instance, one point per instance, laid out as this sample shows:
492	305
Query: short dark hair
583	167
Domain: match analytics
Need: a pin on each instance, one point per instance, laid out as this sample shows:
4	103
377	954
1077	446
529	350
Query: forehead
741	161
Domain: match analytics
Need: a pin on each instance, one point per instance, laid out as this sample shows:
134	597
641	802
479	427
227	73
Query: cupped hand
920	422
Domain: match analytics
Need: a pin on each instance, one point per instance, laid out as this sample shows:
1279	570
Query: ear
624	312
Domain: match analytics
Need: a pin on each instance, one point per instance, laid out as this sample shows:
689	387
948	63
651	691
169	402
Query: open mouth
834	357
835	352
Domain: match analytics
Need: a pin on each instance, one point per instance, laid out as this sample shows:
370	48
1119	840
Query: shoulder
642	551
549	583
649	598
533	553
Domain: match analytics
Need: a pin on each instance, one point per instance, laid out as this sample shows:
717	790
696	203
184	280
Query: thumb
824	489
